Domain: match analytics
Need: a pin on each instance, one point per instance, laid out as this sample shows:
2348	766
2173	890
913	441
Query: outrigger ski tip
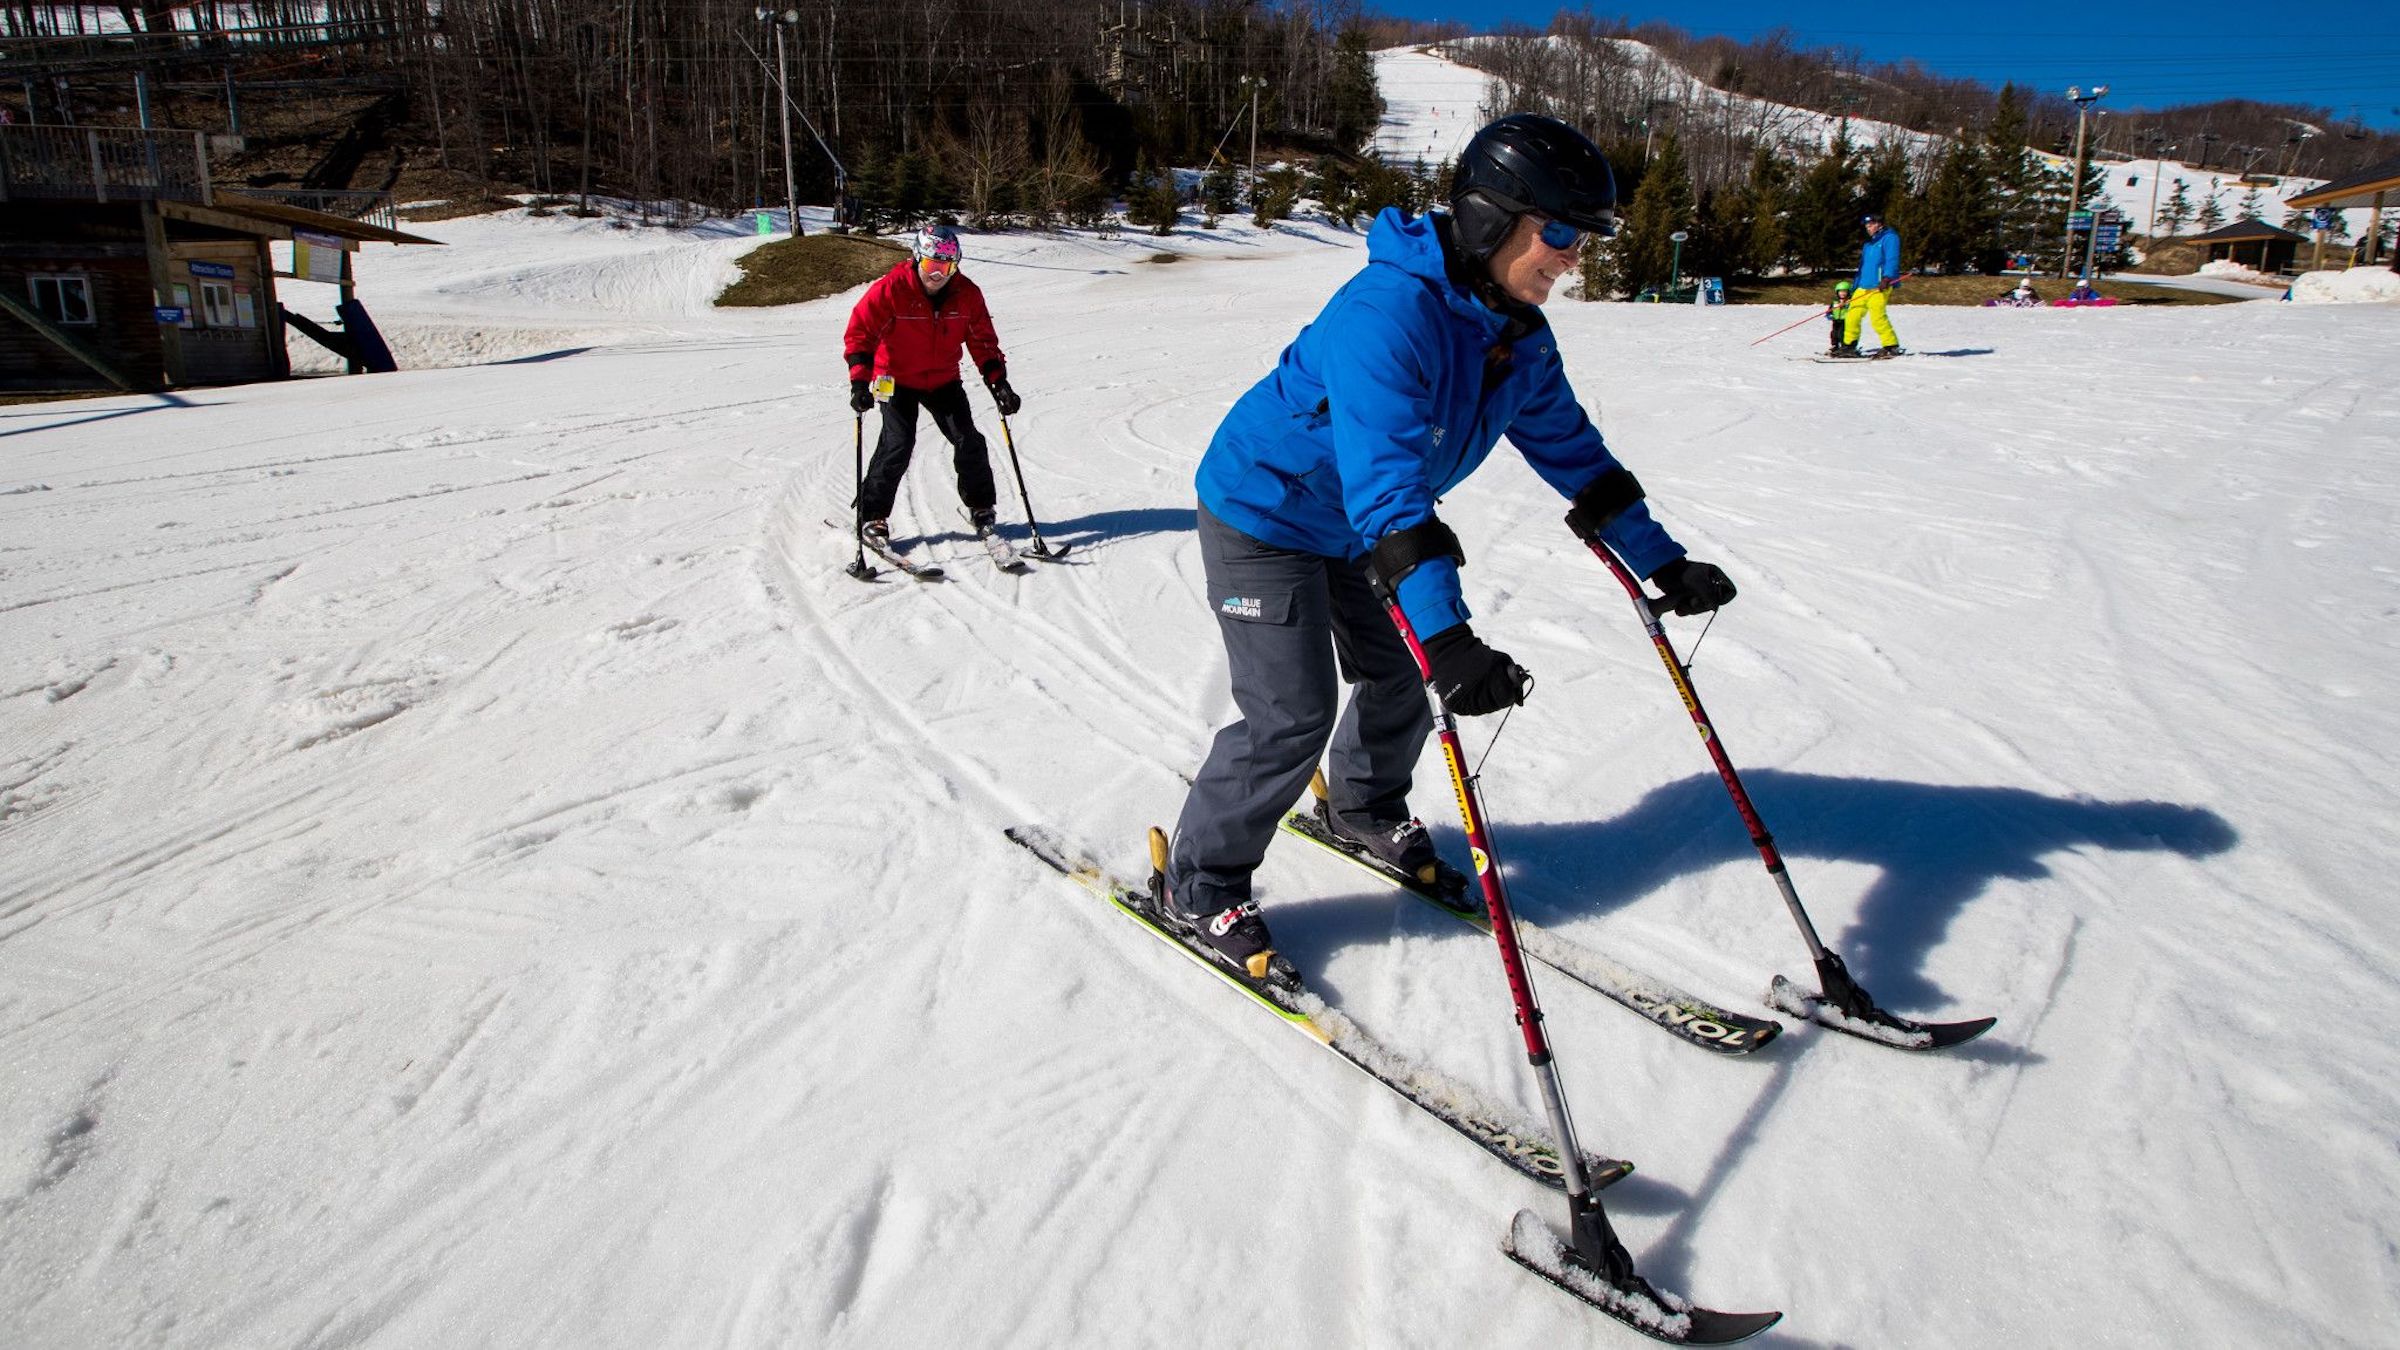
1883	1028
1659	1315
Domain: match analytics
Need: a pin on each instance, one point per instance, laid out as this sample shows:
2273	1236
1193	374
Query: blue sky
2342	57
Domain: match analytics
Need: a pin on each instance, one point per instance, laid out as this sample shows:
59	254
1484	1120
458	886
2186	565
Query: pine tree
1357	102
1763	251
2046	214
1822	222
2211	214
2250	205
2014	182
2177	213
1954	223
1662	205
1601	271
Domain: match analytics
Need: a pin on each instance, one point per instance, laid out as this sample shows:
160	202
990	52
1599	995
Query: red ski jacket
896	329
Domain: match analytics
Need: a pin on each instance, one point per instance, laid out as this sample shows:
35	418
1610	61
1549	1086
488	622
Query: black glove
1472	678
1006	397
861	397
1693	587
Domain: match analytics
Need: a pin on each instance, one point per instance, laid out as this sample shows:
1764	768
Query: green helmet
1844	285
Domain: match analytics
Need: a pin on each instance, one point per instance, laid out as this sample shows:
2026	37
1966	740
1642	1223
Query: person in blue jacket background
1327	470
1878	273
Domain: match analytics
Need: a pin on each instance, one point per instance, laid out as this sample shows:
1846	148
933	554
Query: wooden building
2251	242
2372	187
122	265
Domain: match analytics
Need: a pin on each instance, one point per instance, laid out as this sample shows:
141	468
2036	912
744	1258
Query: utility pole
783	91
2158	165
2083	106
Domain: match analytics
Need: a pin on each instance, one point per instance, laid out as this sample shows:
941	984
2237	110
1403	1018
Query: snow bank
2358	286
2227	270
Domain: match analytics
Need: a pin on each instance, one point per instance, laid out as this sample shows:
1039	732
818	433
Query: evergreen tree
1600	273
2014	182
1720	231
1662	205
1330	181
870	186
1278	195
1357	103
1763	249
2176	214
2250	205
1822	222
1380	185
1954	223
1151	199
1884	188
2211	214
2046	215
1220	190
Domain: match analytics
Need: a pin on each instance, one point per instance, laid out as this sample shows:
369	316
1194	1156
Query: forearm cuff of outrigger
1602	501
1397	554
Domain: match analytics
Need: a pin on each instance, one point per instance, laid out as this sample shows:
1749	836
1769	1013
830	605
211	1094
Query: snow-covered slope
478	874
1434	105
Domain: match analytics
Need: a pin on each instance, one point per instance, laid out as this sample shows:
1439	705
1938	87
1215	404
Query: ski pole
858	498
1838	987
1787	328
1594	1243
1039	549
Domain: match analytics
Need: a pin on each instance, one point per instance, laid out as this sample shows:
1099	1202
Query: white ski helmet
938	242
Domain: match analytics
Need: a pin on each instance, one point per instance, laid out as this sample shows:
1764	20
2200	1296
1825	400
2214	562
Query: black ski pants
971	457
1296	626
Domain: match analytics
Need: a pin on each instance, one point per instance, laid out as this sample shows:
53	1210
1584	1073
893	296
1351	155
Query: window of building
216	301
62	299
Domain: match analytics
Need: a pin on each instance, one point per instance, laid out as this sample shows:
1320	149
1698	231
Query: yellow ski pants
1866	306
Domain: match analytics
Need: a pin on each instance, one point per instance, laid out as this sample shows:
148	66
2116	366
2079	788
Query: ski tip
1530	1243
1898	1032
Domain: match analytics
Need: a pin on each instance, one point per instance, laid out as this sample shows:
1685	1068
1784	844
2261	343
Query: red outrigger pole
1592	1264
1841	1003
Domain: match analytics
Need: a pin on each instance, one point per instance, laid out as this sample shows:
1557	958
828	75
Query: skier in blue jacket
1327	471
1878	273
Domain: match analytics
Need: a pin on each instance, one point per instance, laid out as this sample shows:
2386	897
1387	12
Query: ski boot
1236	935
1406	846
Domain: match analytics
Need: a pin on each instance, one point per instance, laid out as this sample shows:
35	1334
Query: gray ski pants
1293	622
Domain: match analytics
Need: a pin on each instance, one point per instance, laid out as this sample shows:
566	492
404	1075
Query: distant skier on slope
1330	466
910	326
1878	273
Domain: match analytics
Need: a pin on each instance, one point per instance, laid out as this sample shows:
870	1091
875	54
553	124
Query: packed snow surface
479	874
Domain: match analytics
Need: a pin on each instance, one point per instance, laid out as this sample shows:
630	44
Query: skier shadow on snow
1937	848
1960	351
1082	531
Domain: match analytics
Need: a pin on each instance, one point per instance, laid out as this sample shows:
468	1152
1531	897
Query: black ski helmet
1527	162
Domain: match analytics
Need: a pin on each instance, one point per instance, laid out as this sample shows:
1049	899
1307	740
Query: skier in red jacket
909	326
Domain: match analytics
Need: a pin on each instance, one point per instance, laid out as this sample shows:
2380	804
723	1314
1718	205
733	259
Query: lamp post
783	91
1675	265
1256	84
2083	106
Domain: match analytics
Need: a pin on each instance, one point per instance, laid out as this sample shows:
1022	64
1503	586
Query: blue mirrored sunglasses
1560	235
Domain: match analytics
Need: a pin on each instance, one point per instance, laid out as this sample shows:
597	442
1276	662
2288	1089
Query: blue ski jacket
1879	261
1396	392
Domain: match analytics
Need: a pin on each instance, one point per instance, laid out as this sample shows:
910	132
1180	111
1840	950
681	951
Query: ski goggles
938	264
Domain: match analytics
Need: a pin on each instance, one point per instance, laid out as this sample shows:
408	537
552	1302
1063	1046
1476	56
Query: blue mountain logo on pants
1243	606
